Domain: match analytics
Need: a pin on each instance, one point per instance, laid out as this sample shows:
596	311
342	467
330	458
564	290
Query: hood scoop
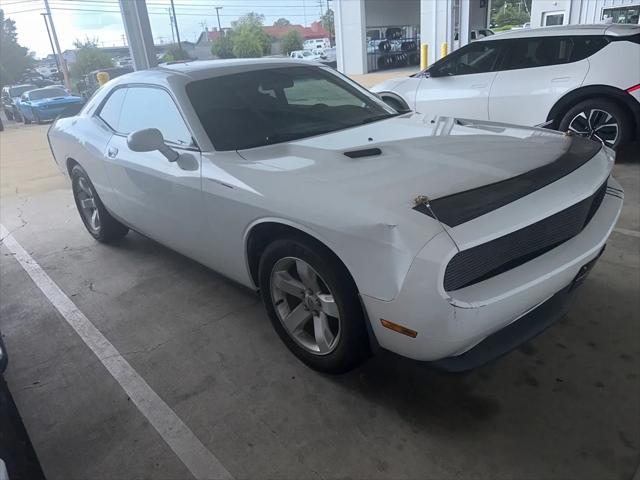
367	152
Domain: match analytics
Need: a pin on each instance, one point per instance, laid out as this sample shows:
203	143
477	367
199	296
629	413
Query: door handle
112	152
479	85
560	79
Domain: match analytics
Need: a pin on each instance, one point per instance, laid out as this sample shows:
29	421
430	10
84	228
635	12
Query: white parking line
626	231
195	456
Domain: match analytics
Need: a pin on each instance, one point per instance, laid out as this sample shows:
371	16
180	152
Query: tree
510	12
327	22
281	22
175	53
249	40
222	47
15	60
89	58
251	18
292	40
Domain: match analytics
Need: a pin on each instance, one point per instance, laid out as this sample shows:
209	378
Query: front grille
497	256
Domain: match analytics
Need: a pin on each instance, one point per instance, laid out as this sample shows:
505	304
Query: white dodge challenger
448	241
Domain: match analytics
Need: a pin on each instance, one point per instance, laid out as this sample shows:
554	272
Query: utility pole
63	64
218	15
173	35
46	24
175	21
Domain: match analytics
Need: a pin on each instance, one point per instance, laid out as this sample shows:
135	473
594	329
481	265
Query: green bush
291	41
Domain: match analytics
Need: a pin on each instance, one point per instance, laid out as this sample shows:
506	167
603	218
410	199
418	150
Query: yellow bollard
444	49
102	77
424	56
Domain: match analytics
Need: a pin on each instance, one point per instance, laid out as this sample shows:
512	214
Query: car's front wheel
25	120
313	305
599	119
97	220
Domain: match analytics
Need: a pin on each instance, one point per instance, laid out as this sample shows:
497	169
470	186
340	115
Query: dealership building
378	34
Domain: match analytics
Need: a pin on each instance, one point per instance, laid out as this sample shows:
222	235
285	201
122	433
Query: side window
110	111
545	51
587	45
147	107
477	57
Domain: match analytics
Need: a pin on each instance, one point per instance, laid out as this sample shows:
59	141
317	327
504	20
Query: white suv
584	78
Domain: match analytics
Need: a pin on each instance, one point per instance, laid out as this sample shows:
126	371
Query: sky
78	19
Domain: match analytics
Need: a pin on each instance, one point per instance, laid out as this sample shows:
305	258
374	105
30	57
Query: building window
629	14
550	19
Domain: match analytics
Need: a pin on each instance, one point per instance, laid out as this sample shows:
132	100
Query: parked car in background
480	33
10	96
305	55
45	104
314	43
582	78
450	242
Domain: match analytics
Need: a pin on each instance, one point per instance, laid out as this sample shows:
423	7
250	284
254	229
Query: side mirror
149	140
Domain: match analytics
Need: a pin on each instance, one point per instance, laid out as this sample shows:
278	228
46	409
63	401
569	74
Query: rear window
545	51
47	93
18	91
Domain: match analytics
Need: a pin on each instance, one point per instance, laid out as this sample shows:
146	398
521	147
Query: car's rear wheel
36	117
599	119
313	305
97	220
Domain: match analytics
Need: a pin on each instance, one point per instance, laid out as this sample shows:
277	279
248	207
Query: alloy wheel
305	306
88	205
596	124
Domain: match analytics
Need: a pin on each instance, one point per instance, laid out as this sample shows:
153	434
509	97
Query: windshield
274	105
17	91
47	93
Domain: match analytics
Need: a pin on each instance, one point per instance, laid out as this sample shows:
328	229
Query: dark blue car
46	103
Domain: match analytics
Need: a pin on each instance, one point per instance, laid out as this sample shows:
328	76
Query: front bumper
449	324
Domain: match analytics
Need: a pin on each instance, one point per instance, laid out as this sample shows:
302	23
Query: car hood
415	156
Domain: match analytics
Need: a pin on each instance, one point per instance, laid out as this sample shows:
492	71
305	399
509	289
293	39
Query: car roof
201	69
615	29
48	87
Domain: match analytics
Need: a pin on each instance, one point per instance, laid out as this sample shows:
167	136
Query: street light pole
63	64
218	15
46	24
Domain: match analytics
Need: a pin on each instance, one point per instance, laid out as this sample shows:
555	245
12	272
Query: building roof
316	30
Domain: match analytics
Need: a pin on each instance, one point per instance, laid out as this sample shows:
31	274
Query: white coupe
447	241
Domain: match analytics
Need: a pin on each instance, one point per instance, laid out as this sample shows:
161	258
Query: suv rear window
545	51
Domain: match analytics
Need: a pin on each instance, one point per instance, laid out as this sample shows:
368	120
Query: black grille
504	253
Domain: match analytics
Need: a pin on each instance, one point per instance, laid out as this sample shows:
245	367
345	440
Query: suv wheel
313	305
599	119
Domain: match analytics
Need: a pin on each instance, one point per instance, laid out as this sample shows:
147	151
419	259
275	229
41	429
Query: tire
588	117
36	117
9	114
333	343
105	229
25	120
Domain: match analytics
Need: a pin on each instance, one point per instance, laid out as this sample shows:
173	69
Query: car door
159	198
459	84
535	73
